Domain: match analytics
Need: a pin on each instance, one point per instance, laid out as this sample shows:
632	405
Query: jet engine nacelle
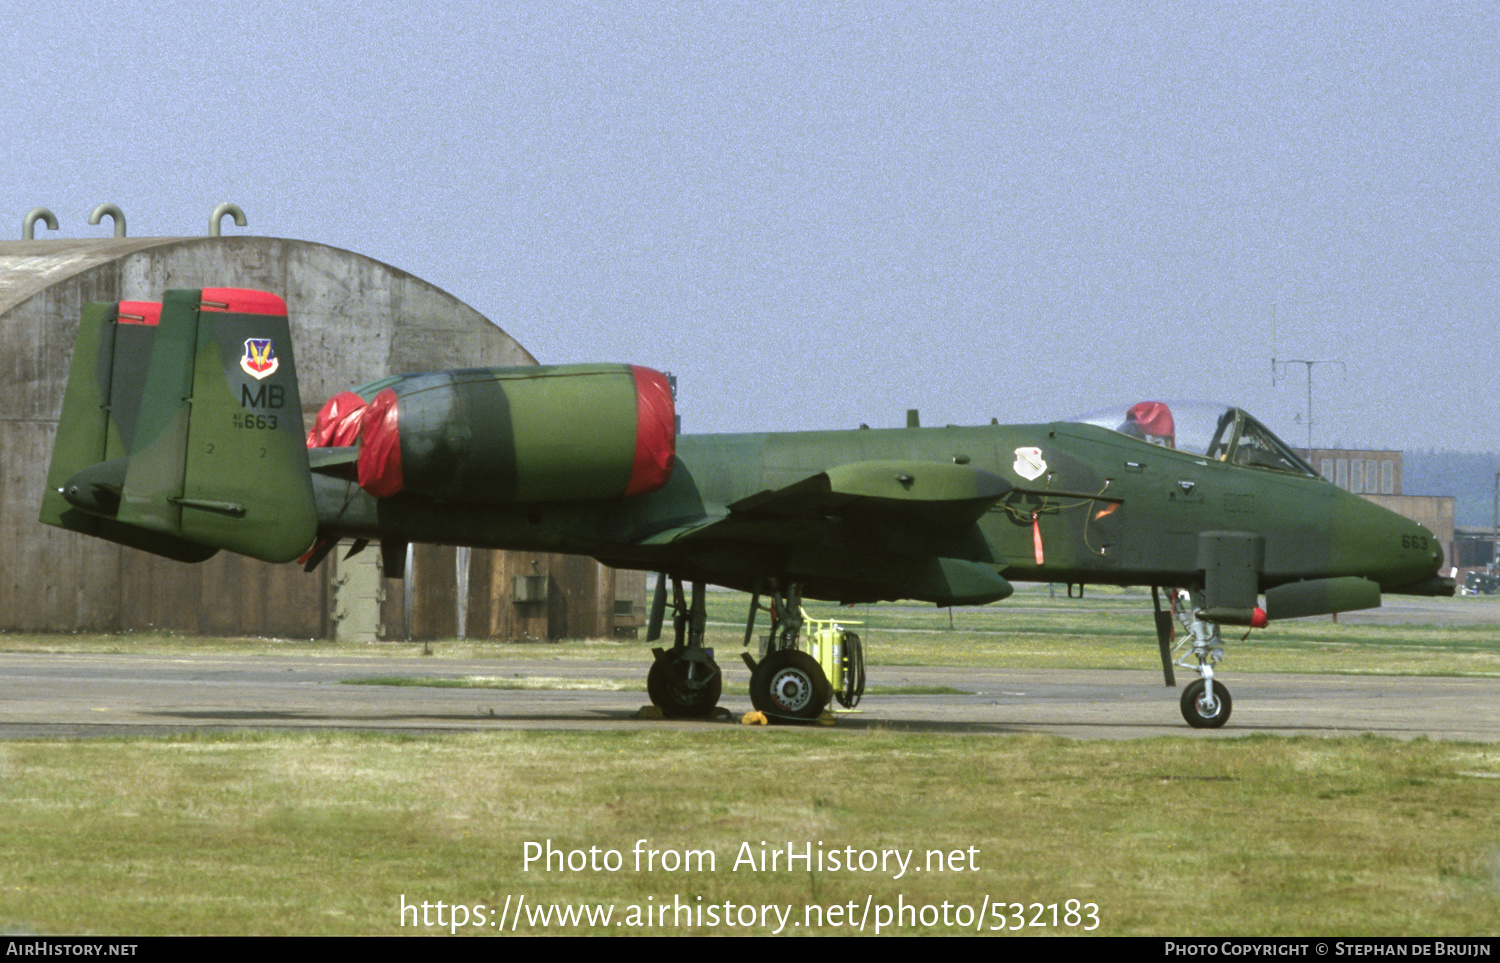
510	435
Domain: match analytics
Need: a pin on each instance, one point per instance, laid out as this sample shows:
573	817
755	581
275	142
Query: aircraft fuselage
1087	505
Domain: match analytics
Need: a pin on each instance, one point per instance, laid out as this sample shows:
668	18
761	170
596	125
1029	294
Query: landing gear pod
518	435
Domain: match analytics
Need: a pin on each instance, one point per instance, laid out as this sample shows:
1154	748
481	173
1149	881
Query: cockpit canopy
1202	428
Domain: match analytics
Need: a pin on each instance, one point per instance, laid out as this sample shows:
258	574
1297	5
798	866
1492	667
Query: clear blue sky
820	214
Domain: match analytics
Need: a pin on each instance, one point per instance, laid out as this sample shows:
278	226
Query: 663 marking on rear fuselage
256	422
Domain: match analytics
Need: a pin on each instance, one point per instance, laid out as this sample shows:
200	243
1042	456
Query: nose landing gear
1203	711
1205	703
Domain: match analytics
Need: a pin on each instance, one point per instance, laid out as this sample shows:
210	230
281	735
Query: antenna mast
1309	364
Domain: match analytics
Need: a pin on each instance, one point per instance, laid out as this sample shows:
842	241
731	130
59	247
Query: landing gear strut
1205	703
788	685
684	681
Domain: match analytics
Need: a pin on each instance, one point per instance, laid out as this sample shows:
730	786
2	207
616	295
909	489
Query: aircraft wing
870	529
918	492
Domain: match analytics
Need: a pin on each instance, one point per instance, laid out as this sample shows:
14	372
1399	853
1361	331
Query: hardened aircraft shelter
354	320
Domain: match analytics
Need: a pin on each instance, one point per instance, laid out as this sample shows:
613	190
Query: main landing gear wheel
1200	716
684	687
790	685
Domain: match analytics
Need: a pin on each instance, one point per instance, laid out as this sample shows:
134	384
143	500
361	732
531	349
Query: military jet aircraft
182	434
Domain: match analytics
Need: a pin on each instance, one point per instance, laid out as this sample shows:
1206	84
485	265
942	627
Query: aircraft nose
1421	564
1424	551
1387	548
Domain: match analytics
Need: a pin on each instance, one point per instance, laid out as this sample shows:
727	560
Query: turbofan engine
508	435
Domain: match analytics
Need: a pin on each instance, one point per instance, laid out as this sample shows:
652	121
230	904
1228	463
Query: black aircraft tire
670	691
1194	715
853	671
790	685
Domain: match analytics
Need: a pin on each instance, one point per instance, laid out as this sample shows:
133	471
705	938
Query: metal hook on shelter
218	215
115	215
28	226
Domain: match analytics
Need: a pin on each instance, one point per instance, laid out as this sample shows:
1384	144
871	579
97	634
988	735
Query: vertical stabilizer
219	455
103	397
83	428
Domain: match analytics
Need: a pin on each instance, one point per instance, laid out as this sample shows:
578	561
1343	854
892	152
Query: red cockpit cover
1154	417
380	447
655	432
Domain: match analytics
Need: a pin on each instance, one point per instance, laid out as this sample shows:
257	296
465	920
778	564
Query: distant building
1358	471
354	320
1476	547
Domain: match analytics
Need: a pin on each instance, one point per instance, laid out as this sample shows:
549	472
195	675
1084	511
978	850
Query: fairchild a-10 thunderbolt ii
182	434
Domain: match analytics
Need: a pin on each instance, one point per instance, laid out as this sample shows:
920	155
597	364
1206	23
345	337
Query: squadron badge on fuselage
1029	463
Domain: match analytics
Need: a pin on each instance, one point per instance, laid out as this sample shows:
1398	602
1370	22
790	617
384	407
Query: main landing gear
684	681
1205	702
787	684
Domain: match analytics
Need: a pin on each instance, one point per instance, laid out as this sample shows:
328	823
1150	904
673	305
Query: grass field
300	834
1111	629
278	833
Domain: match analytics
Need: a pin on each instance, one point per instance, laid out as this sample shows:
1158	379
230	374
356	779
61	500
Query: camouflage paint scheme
827	509
212	455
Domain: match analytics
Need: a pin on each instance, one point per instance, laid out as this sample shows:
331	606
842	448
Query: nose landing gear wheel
1201	716
790	685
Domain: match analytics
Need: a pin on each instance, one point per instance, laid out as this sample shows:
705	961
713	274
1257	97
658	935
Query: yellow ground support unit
840	654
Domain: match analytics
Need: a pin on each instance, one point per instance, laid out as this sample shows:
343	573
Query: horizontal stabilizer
340	463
